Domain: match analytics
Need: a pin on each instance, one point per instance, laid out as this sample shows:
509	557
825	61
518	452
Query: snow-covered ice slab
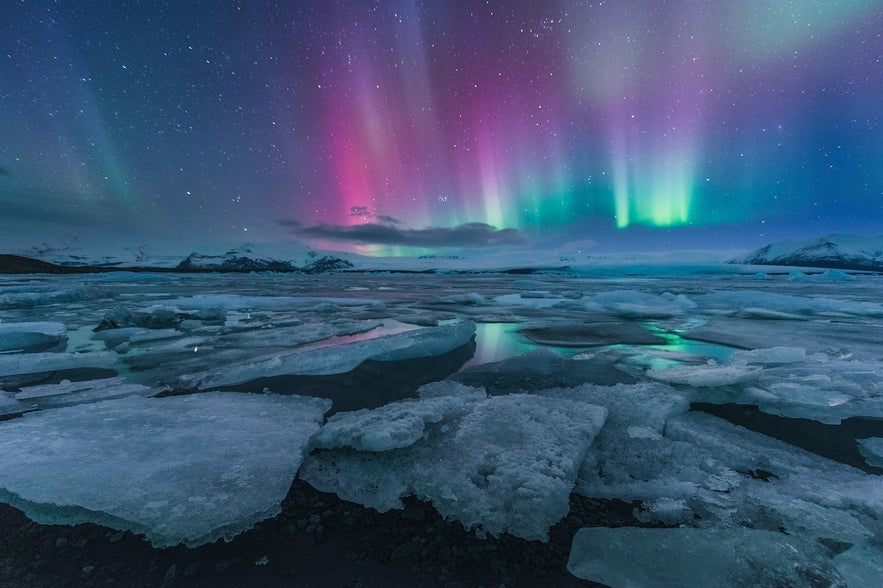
183	469
424	342
500	464
686	556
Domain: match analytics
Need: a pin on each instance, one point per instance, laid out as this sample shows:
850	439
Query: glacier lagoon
473	424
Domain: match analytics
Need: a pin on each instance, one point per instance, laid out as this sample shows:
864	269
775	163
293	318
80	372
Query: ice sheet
184	469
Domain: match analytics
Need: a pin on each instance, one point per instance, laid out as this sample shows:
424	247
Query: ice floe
185	469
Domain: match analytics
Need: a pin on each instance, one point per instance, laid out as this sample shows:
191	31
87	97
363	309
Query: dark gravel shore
317	540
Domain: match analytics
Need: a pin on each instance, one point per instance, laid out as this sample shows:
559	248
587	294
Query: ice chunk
503	464
872	450
32	337
632	304
710	375
35	363
788	303
423	342
685	556
183	469
67	393
44	296
770	356
10	406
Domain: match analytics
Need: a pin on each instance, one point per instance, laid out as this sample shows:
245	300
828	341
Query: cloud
466	235
363	213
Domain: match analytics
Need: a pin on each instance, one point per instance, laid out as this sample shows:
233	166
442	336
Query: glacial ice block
502	464
184	469
684	556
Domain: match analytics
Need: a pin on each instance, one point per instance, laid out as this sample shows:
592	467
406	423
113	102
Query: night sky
383	126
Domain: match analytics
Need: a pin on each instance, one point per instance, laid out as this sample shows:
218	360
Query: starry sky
394	126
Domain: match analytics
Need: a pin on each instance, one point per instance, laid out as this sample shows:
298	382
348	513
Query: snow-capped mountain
853	252
246	260
235	261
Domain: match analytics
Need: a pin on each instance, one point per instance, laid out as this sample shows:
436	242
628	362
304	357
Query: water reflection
496	342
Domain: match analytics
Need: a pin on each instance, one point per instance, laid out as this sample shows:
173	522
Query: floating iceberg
184	469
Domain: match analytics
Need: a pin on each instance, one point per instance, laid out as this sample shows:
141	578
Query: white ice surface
502	464
731	558
183	469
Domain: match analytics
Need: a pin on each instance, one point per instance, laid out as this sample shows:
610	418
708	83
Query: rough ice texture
503	464
662	558
184	469
393	426
727	475
872	450
425	342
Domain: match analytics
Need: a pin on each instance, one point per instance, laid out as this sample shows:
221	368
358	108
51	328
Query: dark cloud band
466	235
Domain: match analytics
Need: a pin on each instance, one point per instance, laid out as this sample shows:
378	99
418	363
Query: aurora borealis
627	123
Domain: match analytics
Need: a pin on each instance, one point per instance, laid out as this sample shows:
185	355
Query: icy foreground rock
185	469
498	464
685	556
